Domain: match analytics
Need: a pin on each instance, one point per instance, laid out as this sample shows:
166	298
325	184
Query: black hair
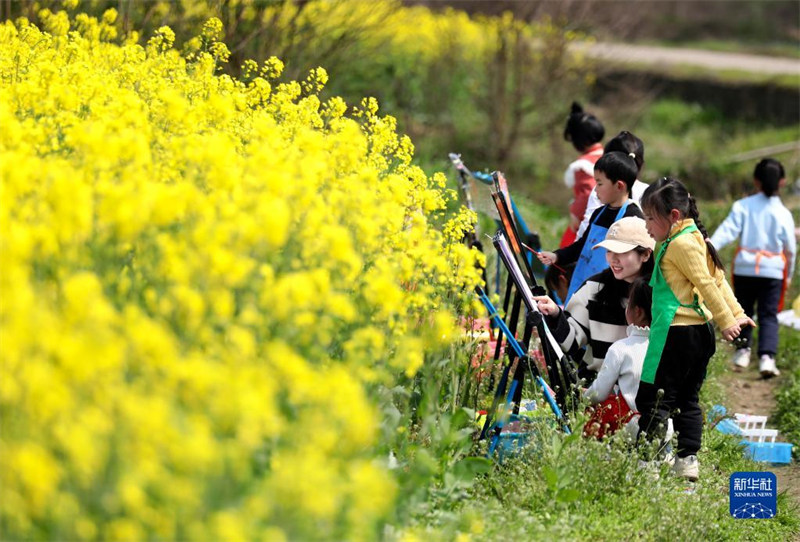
611	290
641	295
769	173
627	143
555	271
649	265
618	166
666	194
583	129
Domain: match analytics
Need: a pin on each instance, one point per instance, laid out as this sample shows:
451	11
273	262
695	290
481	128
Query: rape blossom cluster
205	281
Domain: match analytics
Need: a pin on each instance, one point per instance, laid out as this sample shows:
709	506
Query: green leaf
463	417
472	466
568	495
551	477
556	445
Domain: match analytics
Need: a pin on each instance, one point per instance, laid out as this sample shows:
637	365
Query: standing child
585	132
614	390
764	262
614	174
689	289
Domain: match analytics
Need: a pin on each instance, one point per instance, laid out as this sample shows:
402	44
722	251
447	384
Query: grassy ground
577	489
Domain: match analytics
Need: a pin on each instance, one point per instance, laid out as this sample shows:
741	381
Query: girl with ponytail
764	263
689	290
585	132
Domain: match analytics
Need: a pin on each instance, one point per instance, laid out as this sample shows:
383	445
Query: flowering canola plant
204	282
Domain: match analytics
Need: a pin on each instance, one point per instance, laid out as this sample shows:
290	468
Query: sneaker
687	467
767	367
741	359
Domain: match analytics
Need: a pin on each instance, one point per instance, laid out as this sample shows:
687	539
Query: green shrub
787	411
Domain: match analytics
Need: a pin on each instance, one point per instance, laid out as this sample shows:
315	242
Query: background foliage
496	85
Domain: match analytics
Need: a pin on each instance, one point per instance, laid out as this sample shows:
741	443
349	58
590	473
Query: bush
209	284
787	410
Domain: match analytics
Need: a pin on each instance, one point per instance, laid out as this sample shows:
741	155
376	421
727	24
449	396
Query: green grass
787	410
571	488
698	144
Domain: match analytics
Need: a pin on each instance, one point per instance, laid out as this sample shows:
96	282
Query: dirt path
747	393
673	56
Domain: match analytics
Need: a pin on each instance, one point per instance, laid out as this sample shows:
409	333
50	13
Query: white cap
626	234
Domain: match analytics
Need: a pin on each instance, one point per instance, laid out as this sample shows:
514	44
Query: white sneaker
767	367
687	467
741	358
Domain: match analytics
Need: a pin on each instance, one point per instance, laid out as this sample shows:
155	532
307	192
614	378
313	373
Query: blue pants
766	294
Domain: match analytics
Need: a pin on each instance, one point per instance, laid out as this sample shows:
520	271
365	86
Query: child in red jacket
585	132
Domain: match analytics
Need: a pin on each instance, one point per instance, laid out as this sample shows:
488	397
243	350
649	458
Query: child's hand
732	332
547	258
746	321
546	305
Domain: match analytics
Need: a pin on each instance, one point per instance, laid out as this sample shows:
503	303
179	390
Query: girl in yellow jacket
689	290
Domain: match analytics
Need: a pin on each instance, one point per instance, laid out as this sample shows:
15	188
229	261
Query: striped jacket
589	320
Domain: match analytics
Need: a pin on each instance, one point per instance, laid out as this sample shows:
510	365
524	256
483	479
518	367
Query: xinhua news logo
754	495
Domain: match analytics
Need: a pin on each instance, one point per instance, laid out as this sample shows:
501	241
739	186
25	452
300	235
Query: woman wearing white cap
595	315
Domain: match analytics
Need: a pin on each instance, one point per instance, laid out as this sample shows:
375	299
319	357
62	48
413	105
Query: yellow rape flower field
205	283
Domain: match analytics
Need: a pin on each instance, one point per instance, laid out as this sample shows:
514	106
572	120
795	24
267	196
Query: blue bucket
510	443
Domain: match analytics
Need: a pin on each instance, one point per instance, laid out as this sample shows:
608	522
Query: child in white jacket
614	390
764	262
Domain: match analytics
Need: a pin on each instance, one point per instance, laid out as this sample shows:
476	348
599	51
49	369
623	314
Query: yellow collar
679	225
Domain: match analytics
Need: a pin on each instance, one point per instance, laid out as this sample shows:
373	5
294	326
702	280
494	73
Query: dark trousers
675	391
766	294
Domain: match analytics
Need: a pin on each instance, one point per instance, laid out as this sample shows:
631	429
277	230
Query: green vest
665	305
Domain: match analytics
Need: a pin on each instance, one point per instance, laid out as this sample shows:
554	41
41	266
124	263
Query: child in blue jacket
764	262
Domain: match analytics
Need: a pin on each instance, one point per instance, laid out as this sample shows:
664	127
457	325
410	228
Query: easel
520	288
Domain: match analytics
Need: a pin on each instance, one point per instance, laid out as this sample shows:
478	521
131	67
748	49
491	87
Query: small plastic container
769	452
761	446
750	421
510	442
759	441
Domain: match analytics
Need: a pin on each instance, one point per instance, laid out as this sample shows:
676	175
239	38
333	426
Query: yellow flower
205	282
38	475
